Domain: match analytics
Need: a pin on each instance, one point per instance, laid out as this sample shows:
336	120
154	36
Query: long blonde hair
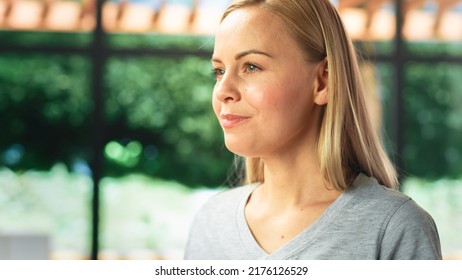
347	142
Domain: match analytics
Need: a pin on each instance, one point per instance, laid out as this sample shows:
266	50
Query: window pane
44	174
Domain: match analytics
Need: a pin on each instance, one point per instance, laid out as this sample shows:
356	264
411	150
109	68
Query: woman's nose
226	89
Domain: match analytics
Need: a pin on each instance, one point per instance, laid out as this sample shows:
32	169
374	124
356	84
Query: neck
293	178
293	175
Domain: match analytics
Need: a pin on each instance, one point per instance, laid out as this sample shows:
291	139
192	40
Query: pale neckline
300	241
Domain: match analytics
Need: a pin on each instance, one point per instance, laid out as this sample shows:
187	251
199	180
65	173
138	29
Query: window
101	102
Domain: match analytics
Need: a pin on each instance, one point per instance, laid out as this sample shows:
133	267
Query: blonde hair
347	142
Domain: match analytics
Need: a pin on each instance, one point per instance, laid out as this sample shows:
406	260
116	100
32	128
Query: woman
319	184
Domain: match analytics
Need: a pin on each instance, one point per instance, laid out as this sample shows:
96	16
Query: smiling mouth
230	121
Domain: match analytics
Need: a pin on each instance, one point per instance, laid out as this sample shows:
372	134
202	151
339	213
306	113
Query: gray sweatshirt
368	221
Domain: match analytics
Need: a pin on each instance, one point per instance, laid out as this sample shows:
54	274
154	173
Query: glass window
163	149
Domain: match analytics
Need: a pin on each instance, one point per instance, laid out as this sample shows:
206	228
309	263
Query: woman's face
264	93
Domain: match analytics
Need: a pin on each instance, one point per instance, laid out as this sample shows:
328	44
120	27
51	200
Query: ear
321	94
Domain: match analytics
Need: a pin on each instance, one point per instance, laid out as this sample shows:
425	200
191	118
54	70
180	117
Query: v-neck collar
301	241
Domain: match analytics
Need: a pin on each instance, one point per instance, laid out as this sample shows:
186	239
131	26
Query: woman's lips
229	120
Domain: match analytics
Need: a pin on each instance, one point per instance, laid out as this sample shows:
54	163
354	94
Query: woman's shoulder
368	190
407	230
390	204
367	194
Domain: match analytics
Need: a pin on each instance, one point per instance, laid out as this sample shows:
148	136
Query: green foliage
159	123
33	38
433	120
45	105
162	106
165	105
434	48
159	119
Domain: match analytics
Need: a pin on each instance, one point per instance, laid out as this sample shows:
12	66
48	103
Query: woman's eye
251	67
217	72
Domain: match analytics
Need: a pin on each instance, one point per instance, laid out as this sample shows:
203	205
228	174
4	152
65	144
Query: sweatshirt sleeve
410	234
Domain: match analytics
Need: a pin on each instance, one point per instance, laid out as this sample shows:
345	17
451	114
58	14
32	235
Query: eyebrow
245	53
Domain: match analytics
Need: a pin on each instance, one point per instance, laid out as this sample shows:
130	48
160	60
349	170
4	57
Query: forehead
252	27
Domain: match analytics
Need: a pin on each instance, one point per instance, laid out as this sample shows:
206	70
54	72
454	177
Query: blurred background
108	144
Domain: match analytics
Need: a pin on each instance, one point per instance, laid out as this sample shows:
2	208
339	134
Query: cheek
263	98
285	105
216	104
274	100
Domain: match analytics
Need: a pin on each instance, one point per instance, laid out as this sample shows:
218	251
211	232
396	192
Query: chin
240	149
